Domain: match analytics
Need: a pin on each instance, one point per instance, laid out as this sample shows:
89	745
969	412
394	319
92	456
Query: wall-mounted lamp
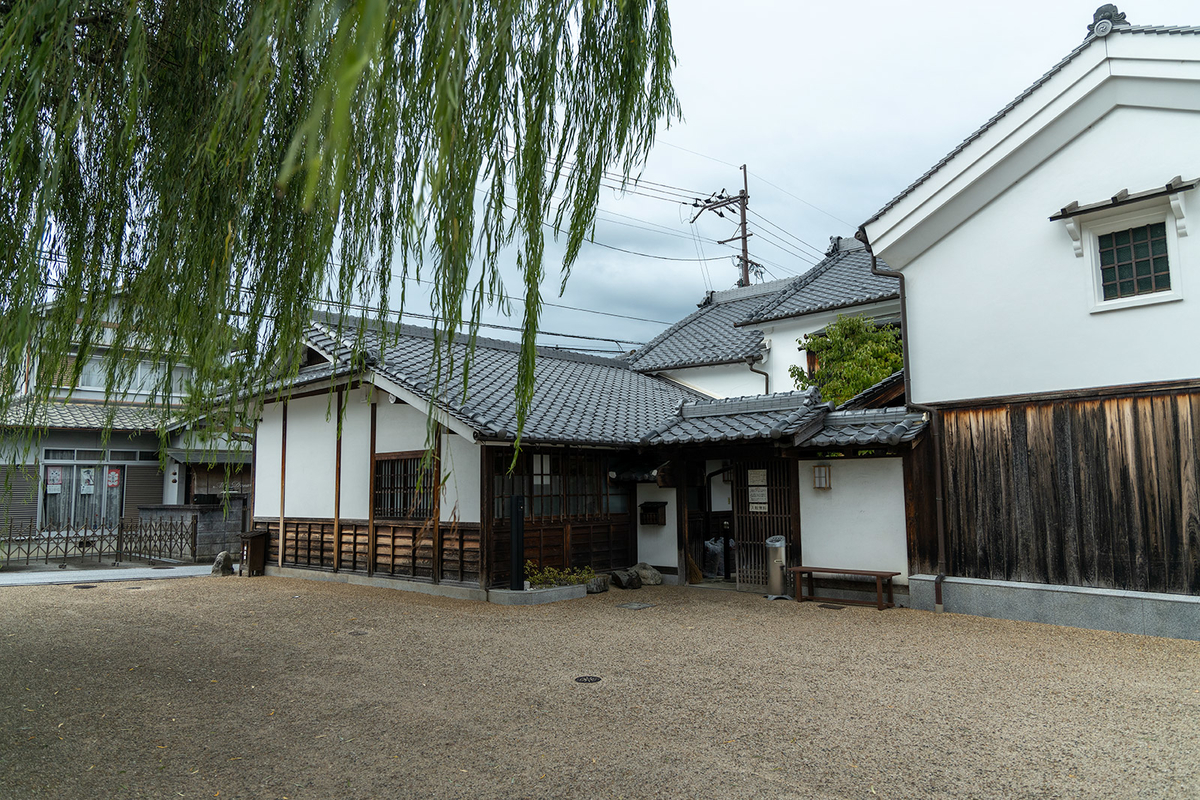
822	476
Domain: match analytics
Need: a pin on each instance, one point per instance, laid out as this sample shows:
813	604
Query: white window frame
1090	227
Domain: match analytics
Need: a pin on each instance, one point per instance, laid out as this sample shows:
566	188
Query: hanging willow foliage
185	180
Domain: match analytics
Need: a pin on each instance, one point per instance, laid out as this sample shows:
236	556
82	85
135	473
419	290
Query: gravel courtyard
279	688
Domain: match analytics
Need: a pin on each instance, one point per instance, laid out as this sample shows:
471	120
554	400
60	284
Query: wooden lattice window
404	488
1134	261
558	486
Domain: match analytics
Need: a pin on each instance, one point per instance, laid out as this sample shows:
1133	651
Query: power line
400	314
802	200
785	232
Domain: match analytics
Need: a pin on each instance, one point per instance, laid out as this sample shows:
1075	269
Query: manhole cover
830	607
84	586
588	679
636	606
131	588
162	568
358	633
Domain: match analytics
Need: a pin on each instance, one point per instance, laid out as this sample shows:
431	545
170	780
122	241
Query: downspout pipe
750	362
934	415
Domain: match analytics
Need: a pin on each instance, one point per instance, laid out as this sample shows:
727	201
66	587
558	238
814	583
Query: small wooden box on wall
653	512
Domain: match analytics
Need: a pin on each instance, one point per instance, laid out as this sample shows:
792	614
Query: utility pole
720	200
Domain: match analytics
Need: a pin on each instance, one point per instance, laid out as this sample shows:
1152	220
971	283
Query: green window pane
1141	250
1158	247
1124	254
1121	237
1125	271
1145	285
1162	283
1106	240
1142	268
1110	291
1160	264
1140	234
1158	229
1108	274
1107	257
1126	288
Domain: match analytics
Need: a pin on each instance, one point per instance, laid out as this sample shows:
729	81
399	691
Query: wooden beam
337	484
282	481
371	496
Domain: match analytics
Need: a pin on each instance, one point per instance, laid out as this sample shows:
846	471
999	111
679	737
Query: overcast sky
834	107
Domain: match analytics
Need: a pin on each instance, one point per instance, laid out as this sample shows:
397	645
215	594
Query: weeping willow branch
183	180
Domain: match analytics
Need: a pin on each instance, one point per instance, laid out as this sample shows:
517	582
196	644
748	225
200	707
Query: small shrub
541	578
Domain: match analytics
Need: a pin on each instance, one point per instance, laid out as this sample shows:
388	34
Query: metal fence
154	540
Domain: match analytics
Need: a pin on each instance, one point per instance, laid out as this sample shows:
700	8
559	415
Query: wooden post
516	543
682	518
371	496
282	480
337	485
487	508
437	505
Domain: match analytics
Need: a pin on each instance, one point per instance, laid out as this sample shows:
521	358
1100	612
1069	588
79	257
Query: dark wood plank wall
603	544
920	507
402	548
1098	492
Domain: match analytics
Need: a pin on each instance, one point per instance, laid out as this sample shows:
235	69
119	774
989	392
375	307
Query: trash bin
776	562
254	553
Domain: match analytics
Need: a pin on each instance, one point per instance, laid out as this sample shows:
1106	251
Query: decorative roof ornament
1105	19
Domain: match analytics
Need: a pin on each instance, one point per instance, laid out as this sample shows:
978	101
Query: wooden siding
603	544
399	548
920	507
1100	492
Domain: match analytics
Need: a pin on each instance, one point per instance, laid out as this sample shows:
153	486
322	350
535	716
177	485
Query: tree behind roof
852	354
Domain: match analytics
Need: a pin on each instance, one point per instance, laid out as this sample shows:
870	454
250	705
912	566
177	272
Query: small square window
1134	262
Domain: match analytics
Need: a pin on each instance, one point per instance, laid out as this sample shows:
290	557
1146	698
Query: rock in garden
598	584
223	565
649	575
626	579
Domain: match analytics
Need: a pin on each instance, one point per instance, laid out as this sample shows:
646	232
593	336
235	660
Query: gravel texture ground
274	688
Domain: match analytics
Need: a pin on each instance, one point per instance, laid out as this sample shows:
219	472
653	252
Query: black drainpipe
934	415
750	362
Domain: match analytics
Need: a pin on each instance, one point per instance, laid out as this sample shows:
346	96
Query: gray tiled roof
867	427
768	417
83	415
863	398
707	336
840	280
1057	68
578	399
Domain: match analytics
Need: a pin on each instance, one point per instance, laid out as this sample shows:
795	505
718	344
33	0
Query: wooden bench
881	578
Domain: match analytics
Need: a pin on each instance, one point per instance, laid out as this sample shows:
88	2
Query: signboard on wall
756	477
756	480
114	477
53	480
87	480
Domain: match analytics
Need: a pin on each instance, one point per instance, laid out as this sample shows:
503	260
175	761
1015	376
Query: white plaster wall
399	427
727	380
1002	305
356	456
859	523
461	463
311	457
267	461
174	483
658	545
